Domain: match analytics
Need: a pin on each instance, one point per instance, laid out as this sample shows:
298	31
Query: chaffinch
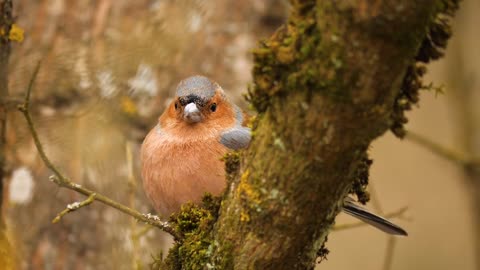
181	155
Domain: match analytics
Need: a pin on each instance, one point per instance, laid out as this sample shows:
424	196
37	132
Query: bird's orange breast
181	167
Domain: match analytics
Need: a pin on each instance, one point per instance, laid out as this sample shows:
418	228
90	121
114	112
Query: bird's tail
353	209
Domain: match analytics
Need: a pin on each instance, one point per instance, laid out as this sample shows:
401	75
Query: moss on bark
325	85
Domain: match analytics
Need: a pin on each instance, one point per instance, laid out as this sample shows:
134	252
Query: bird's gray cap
199	86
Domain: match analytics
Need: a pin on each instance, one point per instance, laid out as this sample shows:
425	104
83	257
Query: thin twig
398	213
457	157
390	252
132	186
392	240
73	207
61	180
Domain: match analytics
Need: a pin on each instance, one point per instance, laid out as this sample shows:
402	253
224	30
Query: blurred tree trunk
5	25
325	85
6	258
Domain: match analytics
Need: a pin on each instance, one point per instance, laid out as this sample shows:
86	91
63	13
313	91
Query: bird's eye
176	105
213	107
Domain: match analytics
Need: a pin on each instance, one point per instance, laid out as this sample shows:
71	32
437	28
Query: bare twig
389	253
457	157
399	213
392	240
73	207
61	180
132	186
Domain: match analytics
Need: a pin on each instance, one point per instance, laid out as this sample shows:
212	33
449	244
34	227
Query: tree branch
61	180
73	207
449	154
325	85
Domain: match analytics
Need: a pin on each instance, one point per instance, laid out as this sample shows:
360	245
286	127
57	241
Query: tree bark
324	86
6	21
5	24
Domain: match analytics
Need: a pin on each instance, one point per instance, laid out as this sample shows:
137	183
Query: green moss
232	165
295	58
360	183
432	48
323	252
194	223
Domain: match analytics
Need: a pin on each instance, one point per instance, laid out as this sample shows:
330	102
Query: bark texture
6	254
324	86
5	25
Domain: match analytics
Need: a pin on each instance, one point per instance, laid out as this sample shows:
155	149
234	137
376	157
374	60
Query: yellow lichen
244	217
245	176
251	195
285	55
16	33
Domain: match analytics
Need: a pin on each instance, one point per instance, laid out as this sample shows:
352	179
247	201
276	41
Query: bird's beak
191	113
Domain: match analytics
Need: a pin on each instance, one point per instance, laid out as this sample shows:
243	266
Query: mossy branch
336	76
63	181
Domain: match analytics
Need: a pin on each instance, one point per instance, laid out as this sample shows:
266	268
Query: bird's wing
353	209
236	138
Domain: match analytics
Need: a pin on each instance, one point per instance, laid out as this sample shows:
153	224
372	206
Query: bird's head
200	100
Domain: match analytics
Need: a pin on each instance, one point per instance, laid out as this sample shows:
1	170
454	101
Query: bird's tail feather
351	208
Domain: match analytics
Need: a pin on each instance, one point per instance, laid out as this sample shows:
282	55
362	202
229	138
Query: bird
181	156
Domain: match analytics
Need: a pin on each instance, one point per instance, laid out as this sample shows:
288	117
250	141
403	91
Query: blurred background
108	70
